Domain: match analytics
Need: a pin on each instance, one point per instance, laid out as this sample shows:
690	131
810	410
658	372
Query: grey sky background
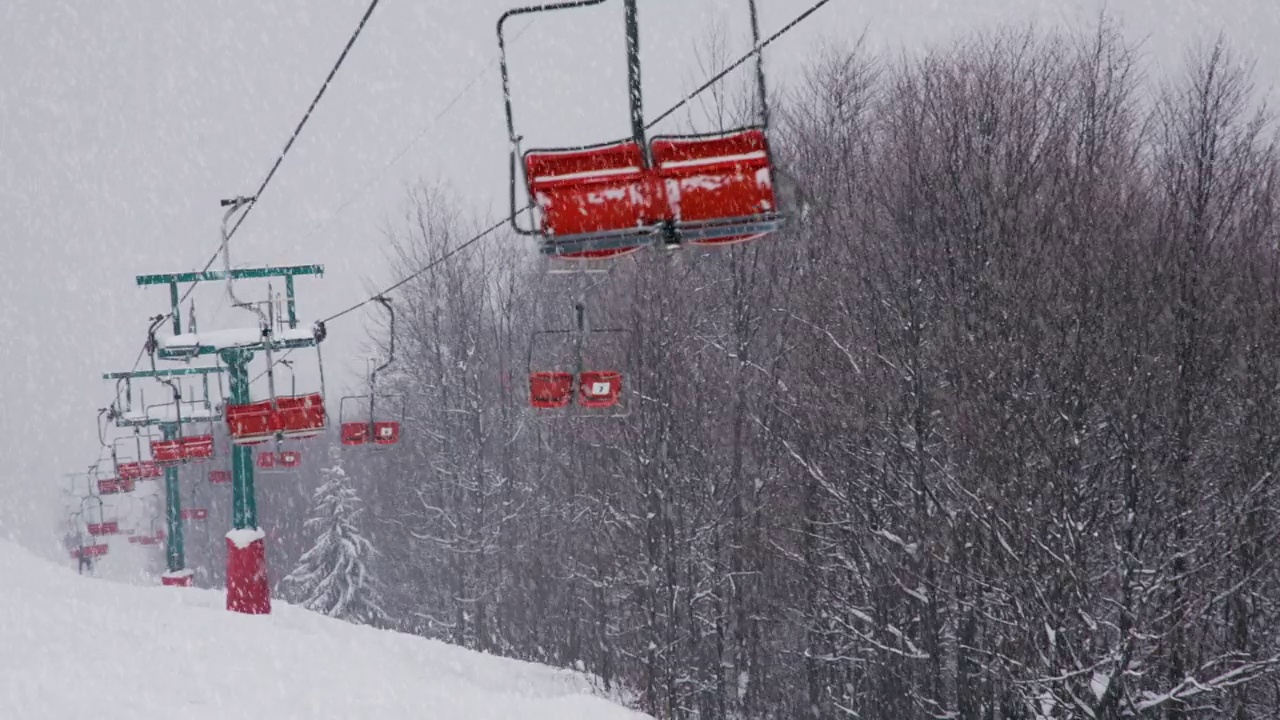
122	122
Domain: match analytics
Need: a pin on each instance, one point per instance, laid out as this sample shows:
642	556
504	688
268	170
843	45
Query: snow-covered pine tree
333	577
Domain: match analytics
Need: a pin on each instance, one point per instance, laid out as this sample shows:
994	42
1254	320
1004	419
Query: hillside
80	647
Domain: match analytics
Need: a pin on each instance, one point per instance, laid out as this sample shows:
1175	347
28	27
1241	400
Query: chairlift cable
738	63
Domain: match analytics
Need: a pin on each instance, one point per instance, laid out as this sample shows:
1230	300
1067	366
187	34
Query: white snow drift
79	647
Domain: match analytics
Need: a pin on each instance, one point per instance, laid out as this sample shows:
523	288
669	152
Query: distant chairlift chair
377	427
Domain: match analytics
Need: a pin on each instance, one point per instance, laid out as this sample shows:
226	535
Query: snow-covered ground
80	647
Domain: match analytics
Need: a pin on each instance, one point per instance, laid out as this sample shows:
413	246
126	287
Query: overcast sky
122	122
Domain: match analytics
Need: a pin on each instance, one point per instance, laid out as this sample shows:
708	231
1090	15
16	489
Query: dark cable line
721	75
448	255
302	123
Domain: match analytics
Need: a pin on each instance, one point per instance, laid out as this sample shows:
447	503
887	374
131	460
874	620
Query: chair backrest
605	193
355	433
719	187
251	423
301	416
550	390
599	389
386	433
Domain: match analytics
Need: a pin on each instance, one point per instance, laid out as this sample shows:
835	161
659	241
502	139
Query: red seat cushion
355	433
290	459
599	389
595	192
90	551
110	527
266	460
166	451
549	390
386	433
716	179
301	416
197	447
218	477
139	471
251	423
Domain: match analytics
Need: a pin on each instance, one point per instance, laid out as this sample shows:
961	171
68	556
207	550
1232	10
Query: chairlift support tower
175	550
247	588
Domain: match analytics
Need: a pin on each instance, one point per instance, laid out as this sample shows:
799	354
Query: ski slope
81	647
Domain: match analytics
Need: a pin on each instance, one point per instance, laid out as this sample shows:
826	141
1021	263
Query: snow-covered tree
333	576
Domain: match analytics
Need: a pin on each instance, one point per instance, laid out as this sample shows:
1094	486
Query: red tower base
177	578
247	589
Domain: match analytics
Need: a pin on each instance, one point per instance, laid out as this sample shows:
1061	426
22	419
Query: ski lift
109	483
99	525
76	546
374	429
177	413
584	380
89	551
136	468
602	201
154	536
184	449
127	515
294	416
279	462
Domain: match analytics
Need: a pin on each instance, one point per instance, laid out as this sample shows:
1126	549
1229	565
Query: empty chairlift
602	201
376	418
579	371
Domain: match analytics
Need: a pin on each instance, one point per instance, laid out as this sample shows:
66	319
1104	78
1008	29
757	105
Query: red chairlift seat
147	539
90	551
599	389
355	433
286	459
144	470
115	486
596	202
194	514
219	477
190	449
166	452
171	452
107	527
550	390
718	188
386	433
252	423
300	416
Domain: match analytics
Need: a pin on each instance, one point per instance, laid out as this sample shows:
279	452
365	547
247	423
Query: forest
989	431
